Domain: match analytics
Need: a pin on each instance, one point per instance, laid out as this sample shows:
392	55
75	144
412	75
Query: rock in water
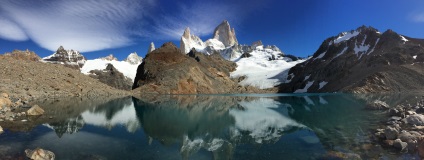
39	154
377	104
399	144
35	111
416	119
1	130
225	34
391	133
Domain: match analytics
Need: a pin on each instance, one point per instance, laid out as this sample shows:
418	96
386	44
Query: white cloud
84	25
11	31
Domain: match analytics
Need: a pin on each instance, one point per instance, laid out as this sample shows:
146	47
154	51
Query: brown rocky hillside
167	70
31	80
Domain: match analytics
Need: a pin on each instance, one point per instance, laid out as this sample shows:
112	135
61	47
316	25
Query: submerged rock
39	154
35	111
377	105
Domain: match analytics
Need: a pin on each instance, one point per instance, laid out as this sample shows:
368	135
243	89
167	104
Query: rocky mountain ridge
361	61
167	71
70	58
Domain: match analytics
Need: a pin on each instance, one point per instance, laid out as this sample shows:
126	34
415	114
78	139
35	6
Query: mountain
134	59
128	67
361	61
258	65
167	71
225	34
23	55
112	77
151	48
110	57
69	58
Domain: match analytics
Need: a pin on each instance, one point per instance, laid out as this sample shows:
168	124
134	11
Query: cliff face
361	61
167	71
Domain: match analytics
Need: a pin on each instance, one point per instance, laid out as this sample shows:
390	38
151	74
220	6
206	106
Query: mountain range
361	61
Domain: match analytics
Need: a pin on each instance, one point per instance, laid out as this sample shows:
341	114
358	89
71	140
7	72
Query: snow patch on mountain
372	50
305	89
415	57
342	52
134	59
403	39
322	84
345	36
129	70
260	71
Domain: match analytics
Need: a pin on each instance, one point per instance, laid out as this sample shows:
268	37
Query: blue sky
98	28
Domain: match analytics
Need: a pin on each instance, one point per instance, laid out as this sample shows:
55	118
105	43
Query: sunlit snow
129	70
345	36
261	72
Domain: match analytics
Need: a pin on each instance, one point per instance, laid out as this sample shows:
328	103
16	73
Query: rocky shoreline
403	129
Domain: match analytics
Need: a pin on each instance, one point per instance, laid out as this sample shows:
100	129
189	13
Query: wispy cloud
418	17
11	31
203	16
85	25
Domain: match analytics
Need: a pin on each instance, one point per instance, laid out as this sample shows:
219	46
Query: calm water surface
275	126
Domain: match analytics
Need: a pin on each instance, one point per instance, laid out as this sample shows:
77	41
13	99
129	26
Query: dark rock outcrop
362	61
23	55
167	71
112	77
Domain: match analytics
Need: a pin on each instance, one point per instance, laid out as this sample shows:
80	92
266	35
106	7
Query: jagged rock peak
151	48
257	43
133	58
68	57
110	57
186	33
189	41
225	34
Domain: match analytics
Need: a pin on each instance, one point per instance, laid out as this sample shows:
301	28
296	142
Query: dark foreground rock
167	71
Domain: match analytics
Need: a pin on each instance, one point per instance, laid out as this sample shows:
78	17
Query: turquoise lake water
261	126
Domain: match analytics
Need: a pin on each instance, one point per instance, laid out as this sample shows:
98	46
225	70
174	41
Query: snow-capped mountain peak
69	57
134	59
110	57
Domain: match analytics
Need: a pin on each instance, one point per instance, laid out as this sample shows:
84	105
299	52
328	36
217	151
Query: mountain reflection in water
205	127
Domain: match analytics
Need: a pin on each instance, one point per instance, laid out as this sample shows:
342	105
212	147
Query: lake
253	126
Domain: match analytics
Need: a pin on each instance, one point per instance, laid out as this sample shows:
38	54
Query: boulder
391	133
4	95
399	144
5	102
35	111
377	105
406	136
1	130
39	154
416	119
